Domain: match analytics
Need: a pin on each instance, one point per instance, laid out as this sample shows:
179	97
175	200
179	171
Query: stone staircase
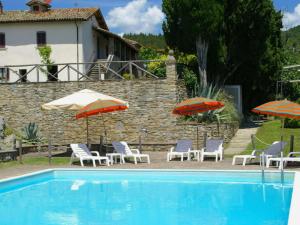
94	74
241	139
101	73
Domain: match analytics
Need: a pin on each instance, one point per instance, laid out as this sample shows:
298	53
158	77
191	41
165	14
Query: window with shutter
2	40
41	38
35	8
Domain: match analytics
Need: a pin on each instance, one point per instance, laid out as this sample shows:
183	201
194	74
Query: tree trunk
202	48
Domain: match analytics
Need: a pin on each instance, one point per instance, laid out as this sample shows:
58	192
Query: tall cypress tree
254	48
190	25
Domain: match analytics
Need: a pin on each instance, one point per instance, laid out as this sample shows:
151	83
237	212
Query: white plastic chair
182	149
82	152
123	148
282	163
244	158
272	151
213	148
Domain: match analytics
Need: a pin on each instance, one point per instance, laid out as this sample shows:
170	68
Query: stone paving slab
240	141
158	161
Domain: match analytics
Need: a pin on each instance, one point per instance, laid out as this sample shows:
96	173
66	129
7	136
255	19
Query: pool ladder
281	168
263	163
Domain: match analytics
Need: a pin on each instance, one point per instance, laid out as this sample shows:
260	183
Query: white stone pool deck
158	161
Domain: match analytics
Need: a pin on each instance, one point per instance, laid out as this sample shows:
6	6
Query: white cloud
136	17
291	19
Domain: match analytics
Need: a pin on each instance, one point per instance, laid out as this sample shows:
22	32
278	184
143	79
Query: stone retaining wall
150	106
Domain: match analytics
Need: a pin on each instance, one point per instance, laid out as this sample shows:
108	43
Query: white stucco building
75	35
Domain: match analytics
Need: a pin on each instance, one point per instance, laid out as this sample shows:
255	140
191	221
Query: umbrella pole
105	134
281	134
198	148
281	153
87	130
198	137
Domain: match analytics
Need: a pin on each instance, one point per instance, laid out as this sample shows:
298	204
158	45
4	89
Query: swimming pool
113	197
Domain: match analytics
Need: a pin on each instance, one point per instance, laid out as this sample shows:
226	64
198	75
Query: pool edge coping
294	216
148	170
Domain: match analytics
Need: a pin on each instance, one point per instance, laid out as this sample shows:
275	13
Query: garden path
242	138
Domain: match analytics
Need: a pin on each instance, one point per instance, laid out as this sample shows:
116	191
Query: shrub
128	76
188	60
190	79
230	108
228	113
148	54
158	68
30	133
290	123
8	131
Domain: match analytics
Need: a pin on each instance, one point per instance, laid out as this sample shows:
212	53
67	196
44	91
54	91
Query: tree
254	48
148	40
190	25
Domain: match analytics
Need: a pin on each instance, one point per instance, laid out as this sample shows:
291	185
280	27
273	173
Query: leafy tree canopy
148	40
187	19
254	48
236	41
291	42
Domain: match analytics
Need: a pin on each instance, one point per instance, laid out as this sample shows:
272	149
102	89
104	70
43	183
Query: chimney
1	7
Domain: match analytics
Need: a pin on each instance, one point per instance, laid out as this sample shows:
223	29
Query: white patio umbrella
87	103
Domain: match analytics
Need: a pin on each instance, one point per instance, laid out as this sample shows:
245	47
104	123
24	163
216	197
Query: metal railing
93	71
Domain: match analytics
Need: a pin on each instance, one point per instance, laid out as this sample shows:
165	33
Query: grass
271	131
36	161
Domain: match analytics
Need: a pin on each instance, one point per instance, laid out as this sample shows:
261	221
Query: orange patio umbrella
102	106
87	103
196	105
284	109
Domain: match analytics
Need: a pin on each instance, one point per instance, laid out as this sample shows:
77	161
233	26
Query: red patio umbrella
196	105
87	103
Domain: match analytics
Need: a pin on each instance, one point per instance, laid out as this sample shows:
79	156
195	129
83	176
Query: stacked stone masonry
150	106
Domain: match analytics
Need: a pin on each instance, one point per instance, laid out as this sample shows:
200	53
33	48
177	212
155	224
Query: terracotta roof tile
37	1
124	40
68	14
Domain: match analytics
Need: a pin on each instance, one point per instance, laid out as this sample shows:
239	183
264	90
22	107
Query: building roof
125	41
37	2
134	43
53	15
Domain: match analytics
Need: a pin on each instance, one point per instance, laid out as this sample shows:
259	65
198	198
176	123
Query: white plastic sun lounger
82	152
182	149
214	147
245	158
272	151
282	163
123	148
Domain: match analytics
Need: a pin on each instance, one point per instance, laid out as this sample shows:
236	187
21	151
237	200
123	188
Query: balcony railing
94	71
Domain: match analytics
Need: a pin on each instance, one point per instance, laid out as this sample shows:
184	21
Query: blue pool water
146	198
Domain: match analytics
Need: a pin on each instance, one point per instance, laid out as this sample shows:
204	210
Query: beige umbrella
87	103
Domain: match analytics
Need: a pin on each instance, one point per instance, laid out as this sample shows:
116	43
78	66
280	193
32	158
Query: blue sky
286	5
144	15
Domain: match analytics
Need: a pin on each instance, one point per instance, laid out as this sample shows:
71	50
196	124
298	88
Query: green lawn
37	161
270	131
